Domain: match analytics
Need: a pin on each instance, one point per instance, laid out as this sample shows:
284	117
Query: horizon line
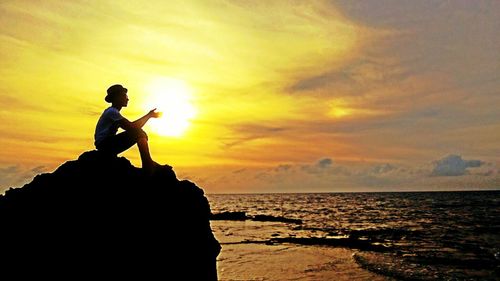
337	192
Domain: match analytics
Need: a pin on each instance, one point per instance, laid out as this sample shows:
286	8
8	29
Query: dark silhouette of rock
99	216
230	216
241	216
276	219
336	242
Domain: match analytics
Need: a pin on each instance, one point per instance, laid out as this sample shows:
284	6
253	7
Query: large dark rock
99	216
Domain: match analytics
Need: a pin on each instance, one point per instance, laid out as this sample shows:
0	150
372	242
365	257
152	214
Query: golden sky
289	96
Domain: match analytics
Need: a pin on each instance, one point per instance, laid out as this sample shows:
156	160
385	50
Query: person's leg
119	143
124	140
143	145
148	165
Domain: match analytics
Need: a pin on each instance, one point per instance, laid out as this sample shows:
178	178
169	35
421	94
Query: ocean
401	235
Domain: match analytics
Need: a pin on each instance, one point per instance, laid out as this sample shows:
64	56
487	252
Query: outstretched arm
139	123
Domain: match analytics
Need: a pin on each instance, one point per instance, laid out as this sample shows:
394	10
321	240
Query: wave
408	268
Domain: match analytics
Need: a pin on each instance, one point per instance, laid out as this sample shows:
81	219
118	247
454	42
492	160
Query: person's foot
168	167
150	167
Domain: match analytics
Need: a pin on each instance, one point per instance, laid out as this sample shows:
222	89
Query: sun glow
171	97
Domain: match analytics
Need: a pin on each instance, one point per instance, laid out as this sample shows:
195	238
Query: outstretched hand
154	114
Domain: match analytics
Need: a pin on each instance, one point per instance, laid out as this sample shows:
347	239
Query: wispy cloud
383	86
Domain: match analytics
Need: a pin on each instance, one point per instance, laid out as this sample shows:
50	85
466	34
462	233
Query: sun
171	97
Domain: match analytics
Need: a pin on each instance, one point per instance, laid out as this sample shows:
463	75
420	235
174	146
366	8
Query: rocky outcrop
100	217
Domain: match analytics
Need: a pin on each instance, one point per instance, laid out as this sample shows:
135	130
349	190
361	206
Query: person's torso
107	124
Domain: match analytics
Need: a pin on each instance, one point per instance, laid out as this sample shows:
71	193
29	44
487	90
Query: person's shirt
107	124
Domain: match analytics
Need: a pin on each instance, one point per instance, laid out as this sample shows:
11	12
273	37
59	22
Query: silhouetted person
107	140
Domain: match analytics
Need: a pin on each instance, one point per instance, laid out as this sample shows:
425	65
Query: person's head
117	95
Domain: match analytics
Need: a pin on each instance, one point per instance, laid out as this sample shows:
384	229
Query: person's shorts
120	142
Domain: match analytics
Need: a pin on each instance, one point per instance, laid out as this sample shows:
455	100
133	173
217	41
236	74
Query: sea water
404	235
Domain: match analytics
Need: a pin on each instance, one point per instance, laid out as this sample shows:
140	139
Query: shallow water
415	236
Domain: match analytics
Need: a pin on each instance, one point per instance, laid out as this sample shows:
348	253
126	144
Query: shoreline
244	257
290	262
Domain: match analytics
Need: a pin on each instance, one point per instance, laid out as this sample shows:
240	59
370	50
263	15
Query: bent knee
139	133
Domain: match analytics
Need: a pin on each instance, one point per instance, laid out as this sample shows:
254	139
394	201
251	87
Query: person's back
107	124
